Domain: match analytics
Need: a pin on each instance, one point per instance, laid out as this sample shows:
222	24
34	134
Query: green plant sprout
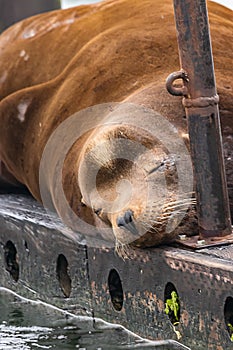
231	330
172	305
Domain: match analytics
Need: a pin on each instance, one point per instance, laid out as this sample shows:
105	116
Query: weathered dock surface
42	259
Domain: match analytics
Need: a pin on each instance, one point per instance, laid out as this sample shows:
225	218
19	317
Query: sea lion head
136	178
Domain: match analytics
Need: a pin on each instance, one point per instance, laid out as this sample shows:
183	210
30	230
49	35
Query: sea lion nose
126	222
126	219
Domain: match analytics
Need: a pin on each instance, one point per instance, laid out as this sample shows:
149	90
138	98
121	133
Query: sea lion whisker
166	216
158	222
173	211
171	204
122	249
159	218
152	228
147	225
169	208
179	205
184	201
149	219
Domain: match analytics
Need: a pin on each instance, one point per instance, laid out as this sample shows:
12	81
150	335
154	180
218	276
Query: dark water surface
26	325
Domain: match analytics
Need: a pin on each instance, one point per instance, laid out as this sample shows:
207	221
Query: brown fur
112	51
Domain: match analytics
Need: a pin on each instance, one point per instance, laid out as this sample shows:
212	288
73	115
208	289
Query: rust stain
219	347
185	318
214	336
201	324
160	305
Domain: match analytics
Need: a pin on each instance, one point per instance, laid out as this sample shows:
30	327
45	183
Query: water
30	325
26	325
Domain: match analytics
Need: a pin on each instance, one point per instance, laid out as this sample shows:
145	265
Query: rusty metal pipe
201	106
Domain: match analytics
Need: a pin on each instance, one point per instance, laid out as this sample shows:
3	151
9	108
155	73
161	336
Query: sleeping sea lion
88	126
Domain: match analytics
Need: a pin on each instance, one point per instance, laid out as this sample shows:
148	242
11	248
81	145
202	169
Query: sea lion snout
126	221
129	178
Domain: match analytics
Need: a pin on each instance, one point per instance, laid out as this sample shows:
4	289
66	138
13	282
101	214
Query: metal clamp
201	102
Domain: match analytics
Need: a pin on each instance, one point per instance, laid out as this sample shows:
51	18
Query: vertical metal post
201	106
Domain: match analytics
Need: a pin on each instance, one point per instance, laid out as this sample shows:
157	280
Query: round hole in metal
172	303
11	257
228	316
63	276
115	290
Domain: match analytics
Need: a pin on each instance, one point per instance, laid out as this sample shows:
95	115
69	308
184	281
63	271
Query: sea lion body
56	64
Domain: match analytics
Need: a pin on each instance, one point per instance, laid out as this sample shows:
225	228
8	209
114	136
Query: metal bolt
201	242
182	237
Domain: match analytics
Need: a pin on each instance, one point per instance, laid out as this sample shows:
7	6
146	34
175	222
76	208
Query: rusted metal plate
197	242
52	264
202	281
36	244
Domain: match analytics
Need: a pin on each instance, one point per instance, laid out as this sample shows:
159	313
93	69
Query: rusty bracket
197	242
200	100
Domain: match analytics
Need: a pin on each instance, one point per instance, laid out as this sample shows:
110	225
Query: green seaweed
230	330
172	306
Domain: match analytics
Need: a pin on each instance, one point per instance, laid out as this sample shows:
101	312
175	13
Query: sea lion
114	54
